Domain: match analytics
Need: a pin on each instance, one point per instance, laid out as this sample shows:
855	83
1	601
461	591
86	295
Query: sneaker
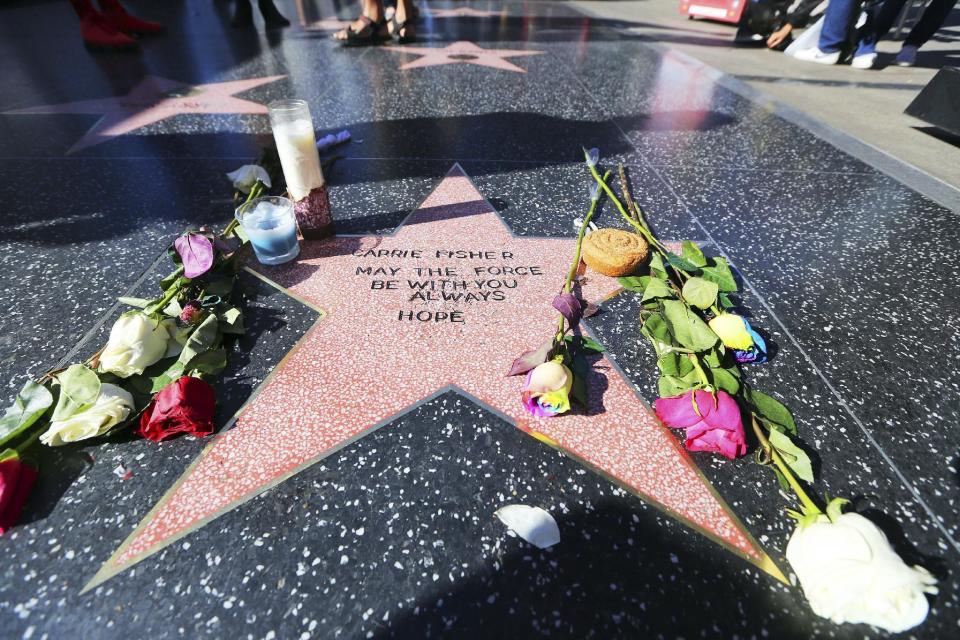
864	61
907	56
815	55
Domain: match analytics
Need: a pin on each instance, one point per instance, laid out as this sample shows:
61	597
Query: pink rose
711	426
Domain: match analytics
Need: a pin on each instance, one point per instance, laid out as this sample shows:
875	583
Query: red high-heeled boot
96	32
119	19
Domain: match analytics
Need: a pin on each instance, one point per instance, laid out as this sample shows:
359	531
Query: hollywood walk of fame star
463	12
466	53
154	99
377	353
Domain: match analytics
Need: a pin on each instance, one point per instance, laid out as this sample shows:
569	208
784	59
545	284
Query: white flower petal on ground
850	573
533	524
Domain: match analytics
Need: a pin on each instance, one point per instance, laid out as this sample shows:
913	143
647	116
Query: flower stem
571	274
26	444
771	451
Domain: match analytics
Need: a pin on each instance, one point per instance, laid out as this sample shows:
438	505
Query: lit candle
297	149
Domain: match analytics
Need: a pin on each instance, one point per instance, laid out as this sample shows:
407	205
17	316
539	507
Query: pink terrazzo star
463	52
367	361
154	99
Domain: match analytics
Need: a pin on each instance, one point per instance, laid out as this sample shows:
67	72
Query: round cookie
614	252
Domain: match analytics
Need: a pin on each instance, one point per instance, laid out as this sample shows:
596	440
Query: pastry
614	252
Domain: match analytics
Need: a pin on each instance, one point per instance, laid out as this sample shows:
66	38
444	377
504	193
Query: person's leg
837	22
271	15
371	18
880	17
931	21
402	24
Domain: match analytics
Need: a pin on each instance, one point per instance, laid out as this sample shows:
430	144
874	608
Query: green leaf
771	409
232	321
691	252
656	289
140	303
669	364
713	358
634	283
669	386
720	274
724	379
656	329
28	407
79	388
687	327
725	301
174	371
203	338
221	287
700	293
209	362
656	267
584	343
795	457
682	264
173	309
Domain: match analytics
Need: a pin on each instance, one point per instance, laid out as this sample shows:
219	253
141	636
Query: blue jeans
837	23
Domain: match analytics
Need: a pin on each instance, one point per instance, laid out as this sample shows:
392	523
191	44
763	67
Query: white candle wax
297	148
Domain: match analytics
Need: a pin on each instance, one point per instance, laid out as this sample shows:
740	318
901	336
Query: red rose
16	480
183	406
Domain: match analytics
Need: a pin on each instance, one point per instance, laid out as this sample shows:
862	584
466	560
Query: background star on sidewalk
154	99
464	52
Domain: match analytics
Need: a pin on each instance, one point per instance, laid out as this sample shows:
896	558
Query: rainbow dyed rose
736	333
546	392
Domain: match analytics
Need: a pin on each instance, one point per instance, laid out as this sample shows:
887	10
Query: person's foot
117	17
815	55
242	14
864	61
401	25
907	56
369	27
97	33
271	16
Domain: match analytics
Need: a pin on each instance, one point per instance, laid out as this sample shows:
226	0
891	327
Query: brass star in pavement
466	53
154	99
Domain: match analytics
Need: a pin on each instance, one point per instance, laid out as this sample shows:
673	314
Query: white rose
850	573
136	342
246	176
111	407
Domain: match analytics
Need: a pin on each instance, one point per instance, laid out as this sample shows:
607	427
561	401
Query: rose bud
546	392
185	405
714	427
192	313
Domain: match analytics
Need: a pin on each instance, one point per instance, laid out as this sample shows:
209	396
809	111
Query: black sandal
402	26
369	34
